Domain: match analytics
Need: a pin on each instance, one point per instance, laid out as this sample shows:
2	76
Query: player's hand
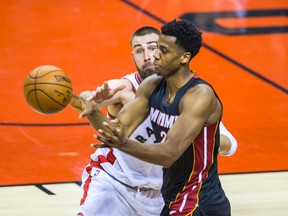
80	104
104	92
112	137
89	107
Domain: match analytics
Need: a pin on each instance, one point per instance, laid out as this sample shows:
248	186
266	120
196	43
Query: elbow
168	159
166	164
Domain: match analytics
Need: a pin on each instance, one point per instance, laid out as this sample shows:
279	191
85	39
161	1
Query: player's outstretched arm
130	116
104	95
93	114
108	92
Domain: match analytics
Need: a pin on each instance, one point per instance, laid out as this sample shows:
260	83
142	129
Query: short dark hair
187	34
144	31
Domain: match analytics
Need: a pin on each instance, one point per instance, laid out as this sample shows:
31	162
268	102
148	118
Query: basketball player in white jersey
115	183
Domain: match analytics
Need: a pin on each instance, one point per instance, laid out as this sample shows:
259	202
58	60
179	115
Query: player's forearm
90	110
96	120
77	103
151	153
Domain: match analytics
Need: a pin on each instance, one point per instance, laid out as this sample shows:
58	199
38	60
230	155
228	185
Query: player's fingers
105	85
86	94
115	127
108	138
112	127
90	96
105	142
105	135
98	89
83	114
100	145
119	88
102	137
115	121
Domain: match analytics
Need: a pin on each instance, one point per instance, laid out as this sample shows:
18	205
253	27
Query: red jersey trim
96	164
138	80
186	201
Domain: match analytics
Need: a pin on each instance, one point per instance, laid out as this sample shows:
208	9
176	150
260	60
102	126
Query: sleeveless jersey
194	174
128	169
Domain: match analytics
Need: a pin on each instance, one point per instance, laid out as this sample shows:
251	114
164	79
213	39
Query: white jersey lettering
162	119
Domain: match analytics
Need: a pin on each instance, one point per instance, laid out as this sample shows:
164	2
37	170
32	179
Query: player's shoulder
153	79
201	89
132	77
200	93
114	83
149	84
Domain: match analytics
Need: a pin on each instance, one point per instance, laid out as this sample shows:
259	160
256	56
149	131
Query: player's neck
178	79
175	82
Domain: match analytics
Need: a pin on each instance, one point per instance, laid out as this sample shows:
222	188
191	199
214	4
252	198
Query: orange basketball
47	89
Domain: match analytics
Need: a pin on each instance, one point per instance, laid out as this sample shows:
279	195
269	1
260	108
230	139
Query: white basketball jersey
129	169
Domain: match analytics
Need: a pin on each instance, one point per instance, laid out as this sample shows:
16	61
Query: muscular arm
131	116
123	96
228	144
116	101
137	110
105	96
198	107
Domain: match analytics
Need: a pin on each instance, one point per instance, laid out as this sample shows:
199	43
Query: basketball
47	89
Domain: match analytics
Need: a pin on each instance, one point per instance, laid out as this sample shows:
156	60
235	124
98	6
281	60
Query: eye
163	50
139	51
153	48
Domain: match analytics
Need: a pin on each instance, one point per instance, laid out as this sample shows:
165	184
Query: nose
148	56
156	54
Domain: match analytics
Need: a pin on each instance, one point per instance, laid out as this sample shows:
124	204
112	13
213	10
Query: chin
147	73
159	74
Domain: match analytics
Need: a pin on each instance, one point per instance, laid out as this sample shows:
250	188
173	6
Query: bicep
137	110
194	110
134	112
177	139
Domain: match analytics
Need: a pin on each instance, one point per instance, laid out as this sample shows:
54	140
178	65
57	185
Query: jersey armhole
133	88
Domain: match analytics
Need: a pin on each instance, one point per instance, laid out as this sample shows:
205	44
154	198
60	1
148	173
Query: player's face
167	58
143	49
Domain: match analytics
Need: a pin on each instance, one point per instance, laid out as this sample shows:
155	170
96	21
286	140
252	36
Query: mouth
149	66
155	65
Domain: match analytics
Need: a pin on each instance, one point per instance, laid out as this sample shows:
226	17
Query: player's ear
185	58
